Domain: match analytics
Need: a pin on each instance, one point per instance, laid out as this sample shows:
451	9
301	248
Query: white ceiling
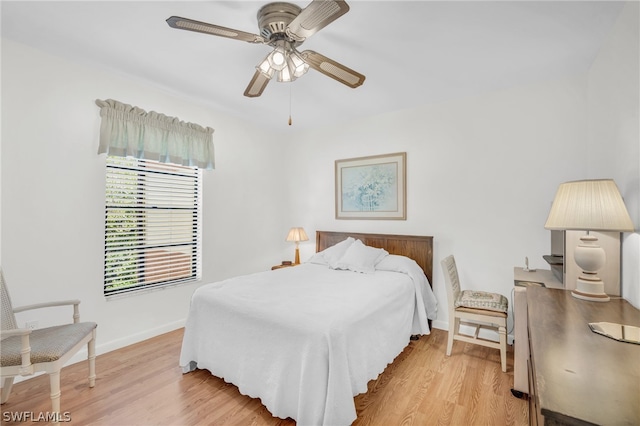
412	53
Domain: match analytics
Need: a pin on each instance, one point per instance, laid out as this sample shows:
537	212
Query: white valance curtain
129	131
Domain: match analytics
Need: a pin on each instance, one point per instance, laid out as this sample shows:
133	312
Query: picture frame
372	187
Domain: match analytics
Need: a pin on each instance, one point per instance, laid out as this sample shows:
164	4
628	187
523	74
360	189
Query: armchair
24	352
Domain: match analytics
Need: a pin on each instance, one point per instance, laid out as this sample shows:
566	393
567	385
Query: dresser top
543	276
579	374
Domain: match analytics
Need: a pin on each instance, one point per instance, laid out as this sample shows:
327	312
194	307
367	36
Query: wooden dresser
578	377
522	280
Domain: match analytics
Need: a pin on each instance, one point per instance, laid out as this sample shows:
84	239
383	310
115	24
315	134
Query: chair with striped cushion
24	352
478	309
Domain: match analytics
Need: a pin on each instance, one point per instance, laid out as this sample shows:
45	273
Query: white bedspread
307	339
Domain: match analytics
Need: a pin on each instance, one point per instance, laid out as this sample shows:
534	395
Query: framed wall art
372	187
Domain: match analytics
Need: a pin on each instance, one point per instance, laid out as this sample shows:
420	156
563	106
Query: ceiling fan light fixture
285	75
285	62
278	58
265	68
296	64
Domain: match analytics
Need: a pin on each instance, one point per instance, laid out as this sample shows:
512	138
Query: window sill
145	290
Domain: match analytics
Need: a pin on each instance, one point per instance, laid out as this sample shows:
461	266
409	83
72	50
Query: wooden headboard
418	248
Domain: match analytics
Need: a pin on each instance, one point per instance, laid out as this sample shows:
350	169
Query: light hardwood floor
143	385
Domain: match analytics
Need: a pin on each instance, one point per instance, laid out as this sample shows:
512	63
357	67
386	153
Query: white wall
481	175
614	130
482	172
0	174
53	196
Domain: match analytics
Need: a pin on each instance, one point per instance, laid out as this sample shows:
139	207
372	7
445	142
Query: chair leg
6	389
54	382
454	323
91	349
503	347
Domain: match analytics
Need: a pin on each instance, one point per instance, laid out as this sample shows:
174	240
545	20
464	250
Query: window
152	225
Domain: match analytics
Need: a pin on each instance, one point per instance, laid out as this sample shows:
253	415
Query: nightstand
273	268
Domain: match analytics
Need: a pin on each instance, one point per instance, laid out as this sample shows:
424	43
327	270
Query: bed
307	339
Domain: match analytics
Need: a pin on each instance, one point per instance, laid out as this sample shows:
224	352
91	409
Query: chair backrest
8	317
451	278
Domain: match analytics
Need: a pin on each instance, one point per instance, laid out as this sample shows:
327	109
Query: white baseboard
441	325
103	348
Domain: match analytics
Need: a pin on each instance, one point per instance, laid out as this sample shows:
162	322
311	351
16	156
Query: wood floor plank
142	384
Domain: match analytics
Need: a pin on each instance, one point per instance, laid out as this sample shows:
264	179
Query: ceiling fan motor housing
273	19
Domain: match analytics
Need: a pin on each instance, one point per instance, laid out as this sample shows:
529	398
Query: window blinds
152	224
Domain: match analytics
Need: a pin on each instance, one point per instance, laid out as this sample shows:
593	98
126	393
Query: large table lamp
589	205
296	235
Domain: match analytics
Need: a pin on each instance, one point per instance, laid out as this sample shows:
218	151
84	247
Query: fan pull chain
290	90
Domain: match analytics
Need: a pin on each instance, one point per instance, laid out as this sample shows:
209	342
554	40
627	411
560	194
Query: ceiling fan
285	26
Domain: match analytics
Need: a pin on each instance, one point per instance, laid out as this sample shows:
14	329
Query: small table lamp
589	205
297	235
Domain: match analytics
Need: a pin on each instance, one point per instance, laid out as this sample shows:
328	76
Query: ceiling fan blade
333	69
256	85
203	27
317	15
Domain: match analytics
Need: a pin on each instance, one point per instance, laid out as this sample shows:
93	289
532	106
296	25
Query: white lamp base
590	257
590	288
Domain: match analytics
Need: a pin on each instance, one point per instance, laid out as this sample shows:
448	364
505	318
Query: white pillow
331	255
395	263
318	259
361	258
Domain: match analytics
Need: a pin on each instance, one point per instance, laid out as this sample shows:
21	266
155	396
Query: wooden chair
478	309
24	352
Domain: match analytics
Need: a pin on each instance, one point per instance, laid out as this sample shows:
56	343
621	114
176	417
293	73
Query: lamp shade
296	235
265	68
284	75
589	205
297	65
278	58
